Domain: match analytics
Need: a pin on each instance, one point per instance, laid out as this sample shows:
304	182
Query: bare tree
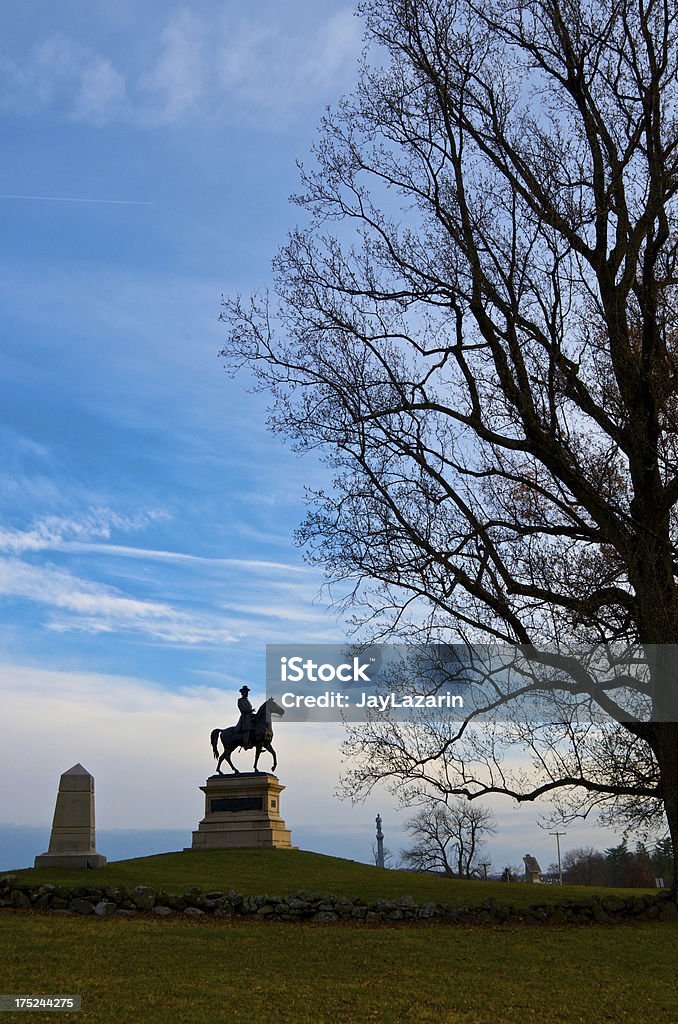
448	837
487	349
584	866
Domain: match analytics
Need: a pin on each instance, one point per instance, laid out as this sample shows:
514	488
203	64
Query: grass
176	971
180	972
277	872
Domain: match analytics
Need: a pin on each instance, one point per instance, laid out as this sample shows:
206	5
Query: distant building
532	869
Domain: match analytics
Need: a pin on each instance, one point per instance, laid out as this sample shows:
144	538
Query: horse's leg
256	759
223	755
227	755
266	746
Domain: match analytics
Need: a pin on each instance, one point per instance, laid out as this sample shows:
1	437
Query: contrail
74	199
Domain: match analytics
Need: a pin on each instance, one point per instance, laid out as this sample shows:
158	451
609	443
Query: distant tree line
619	865
450	837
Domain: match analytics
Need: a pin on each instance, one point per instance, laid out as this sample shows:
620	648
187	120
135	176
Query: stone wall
105	901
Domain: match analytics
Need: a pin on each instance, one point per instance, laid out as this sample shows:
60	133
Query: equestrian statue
254	730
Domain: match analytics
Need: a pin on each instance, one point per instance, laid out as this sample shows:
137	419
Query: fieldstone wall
106	901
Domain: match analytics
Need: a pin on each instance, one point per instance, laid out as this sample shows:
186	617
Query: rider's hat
244	689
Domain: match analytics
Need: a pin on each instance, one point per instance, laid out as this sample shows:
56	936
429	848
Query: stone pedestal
242	811
71	843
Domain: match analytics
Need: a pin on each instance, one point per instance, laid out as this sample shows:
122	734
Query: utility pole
380	843
558	835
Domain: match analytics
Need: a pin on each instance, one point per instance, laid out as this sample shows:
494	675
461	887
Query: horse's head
269	708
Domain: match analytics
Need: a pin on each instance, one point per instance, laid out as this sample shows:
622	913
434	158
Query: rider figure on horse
254	729
246	720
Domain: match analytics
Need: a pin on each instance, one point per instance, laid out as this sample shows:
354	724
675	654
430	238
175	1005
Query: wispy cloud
176	84
53	532
197	614
101	92
59	72
269	71
196	67
79	535
82	605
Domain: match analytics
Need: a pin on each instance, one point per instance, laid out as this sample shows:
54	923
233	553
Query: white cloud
228	68
102	92
269	72
174	86
52	532
148	749
28	446
61	73
81	605
336	47
55	61
197	615
77	604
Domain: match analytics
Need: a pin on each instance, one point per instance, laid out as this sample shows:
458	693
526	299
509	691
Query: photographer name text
378	702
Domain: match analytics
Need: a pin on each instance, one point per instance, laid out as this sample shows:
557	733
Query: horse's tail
214	736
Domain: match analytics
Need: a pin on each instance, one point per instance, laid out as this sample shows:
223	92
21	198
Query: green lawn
180	972
277	872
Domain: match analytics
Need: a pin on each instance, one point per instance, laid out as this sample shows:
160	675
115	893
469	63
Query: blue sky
146	515
146	512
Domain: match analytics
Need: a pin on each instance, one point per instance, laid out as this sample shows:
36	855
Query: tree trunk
665	745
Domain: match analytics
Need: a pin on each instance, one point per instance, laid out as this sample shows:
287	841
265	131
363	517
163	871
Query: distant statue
254	729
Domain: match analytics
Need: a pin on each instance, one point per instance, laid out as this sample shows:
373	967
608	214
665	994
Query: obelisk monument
72	843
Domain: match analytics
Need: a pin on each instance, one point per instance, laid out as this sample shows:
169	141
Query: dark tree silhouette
584	866
448	838
486	346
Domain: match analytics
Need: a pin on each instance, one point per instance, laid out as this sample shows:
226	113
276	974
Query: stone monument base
70	860
242	811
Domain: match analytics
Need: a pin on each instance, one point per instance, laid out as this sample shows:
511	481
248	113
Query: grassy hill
177	970
278	872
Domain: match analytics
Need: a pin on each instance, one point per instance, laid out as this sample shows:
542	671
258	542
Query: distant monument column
380	843
71	843
242	810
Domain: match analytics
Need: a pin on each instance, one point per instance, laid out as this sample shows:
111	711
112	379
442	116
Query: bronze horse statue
262	734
